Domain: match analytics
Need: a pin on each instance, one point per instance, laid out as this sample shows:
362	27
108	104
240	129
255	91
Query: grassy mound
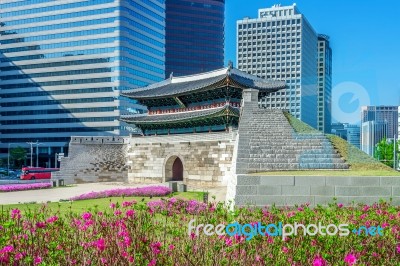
299	126
357	159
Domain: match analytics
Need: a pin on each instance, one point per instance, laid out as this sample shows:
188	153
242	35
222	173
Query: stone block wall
206	158
94	159
292	190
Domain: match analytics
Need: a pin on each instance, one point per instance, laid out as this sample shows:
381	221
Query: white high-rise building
371	133
281	44
398	122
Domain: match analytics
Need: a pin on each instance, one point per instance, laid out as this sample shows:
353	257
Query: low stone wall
292	190
94	159
206	158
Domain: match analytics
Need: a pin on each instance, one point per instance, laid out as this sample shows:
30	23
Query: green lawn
100	204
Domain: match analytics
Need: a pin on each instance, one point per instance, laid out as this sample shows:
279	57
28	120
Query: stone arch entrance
174	170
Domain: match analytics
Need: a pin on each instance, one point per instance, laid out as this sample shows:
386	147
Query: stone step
304	155
295	160
254	167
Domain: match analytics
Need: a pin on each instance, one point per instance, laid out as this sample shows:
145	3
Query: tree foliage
18	154
384	151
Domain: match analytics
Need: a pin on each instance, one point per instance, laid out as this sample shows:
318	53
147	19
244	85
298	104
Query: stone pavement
56	194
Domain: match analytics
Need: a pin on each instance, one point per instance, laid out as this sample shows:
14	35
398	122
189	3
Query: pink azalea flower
152	263
37	260
340	205
319	261
398	249
130	213
285	249
171	247
7	249
86	216
155	248
15	214
100	244
228	242
126	204
350	259
52	219
40	225
18	256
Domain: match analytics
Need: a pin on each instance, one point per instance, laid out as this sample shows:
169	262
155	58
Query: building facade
64	64
194	36
282	44
388	114
371	133
353	135
325	84
348	132
339	130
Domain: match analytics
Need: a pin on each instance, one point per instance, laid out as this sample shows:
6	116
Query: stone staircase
267	142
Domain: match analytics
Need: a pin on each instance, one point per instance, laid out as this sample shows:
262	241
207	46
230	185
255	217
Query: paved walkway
56	194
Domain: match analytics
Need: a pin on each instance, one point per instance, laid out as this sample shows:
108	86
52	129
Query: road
62	193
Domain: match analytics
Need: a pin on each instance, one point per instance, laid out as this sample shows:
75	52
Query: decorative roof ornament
171	75
230	65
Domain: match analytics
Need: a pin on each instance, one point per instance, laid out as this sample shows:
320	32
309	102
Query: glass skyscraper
63	65
281	44
194	36
324	84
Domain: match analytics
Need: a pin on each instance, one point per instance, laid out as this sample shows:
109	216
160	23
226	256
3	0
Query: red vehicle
31	173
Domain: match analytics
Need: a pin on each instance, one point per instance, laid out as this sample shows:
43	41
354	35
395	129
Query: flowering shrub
156	233
18	187
151	191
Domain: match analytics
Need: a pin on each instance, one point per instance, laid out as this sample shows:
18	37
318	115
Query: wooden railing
193	108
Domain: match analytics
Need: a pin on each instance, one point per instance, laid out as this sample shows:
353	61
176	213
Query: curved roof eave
174	87
179	117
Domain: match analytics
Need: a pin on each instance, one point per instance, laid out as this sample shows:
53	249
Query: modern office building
281	44
353	135
371	133
388	114
339	130
325	84
348	132
194	36
64	63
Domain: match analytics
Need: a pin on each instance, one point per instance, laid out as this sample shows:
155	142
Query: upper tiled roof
177	86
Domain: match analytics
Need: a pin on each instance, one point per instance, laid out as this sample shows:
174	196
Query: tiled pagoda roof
178	86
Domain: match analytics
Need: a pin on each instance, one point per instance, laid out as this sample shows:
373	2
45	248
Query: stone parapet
316	190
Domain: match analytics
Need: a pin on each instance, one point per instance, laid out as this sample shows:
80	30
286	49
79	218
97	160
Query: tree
18	154
384	151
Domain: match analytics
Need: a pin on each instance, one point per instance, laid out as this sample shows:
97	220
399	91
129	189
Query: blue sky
365	39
